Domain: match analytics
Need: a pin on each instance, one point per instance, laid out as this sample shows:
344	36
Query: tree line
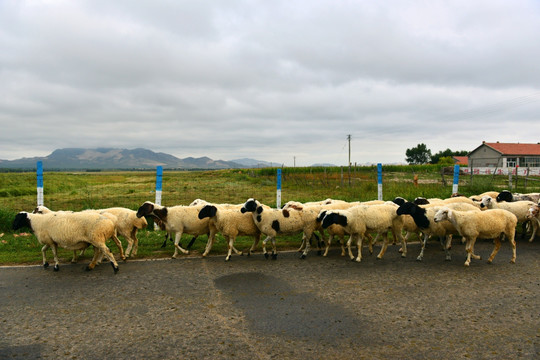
420	154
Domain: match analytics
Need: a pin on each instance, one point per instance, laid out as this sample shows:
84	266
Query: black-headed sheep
178	220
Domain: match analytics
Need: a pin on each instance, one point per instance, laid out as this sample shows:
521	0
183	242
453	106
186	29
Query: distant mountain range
124	159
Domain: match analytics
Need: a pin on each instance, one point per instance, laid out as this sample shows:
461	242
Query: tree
418	155
435	159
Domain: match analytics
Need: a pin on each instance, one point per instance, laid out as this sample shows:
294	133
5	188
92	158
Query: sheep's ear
259	209
285	213
321	216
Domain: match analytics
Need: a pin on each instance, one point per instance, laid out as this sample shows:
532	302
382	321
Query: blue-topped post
40	183
456	179
379	181
159	181
278	192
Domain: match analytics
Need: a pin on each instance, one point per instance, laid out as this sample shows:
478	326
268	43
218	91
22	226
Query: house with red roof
505	155
460	160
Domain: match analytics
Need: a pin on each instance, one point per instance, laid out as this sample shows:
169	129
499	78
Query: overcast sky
281	81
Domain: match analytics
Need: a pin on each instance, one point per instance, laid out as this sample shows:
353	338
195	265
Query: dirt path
252	308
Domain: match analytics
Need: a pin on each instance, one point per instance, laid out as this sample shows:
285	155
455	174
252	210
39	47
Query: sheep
361	219
423	219
478	198
273	222
230	223
41	209
534	217
177	219
507	196
316	207
518	208
72	231
489	224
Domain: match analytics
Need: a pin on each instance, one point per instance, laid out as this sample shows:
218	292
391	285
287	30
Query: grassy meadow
93	190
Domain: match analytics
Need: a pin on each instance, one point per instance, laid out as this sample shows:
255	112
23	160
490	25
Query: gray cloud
268	80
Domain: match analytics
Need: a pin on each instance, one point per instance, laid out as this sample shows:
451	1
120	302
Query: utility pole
349	139
294	161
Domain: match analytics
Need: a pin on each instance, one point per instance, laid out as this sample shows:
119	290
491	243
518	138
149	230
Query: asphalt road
252	308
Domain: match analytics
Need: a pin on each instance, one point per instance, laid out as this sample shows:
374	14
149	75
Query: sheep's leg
254	245
306	240
349	242
512	241
129	246
165	241
303	244
209	244
470	250
534	222
328	243
103	248
274	249
396	233
265	253
230	241
75	257
497	242
371	241
135	242
119	245
342	243
359	239
44	253
383	248
54	249
177	245
447	247
424	241
96	259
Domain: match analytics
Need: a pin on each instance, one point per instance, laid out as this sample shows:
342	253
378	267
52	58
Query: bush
6	219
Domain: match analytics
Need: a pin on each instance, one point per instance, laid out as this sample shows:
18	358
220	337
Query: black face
399	200
504	195
421	201
145	210
207	211
21	220
407	208
334	218
249	206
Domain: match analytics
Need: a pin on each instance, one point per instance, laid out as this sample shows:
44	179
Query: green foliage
446	161
418	155
435	159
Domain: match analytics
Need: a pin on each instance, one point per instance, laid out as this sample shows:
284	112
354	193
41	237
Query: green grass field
93	190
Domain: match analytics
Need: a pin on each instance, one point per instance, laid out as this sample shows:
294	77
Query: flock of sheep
490	215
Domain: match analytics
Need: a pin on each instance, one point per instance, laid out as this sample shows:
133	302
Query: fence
83	190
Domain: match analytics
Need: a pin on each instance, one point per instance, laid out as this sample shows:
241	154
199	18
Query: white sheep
41	209
519	208
422	216
70	230
534	217
127	226
272	222
361	219
230	222
489	224
178	219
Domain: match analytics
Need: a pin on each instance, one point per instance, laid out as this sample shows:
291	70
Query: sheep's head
40	209
504	195
321	215
251	205
486	202
442	214
533	212
332	218
21	220
399	200
421	201
418	214
207	211
145	209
